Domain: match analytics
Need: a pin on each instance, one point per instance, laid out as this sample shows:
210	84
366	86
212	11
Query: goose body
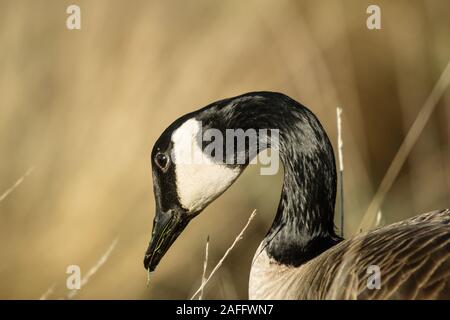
413	255
301	256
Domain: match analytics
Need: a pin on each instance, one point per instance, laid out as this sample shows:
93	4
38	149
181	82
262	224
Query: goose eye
162	161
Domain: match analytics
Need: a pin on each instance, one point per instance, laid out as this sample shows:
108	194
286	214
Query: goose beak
167	226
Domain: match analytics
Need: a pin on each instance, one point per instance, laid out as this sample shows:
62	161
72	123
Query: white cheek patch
199	179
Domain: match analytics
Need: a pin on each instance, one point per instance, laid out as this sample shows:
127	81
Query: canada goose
301	256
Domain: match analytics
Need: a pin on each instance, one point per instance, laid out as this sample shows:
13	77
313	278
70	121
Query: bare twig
16	184
205	265
405	148
94	269
239	237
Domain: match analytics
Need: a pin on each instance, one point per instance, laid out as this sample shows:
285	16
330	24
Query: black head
185	180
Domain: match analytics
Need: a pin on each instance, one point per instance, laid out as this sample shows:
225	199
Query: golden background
83	108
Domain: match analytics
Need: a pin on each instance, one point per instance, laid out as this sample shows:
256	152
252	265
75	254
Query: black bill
167	226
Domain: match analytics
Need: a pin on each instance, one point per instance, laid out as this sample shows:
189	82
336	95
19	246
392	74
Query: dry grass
92	271
47	294
205	266
340	145
15	185
408	143
85	107
219	264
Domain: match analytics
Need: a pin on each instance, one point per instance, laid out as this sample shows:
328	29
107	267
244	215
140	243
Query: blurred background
81	109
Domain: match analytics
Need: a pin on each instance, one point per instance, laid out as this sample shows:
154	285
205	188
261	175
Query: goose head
185	181
194	161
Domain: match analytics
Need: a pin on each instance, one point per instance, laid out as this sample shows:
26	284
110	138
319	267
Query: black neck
303	227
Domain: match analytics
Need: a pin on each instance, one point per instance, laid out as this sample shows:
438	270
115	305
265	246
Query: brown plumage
413	256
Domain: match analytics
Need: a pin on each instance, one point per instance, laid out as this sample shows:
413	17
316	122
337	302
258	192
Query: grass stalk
219	264
405	148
